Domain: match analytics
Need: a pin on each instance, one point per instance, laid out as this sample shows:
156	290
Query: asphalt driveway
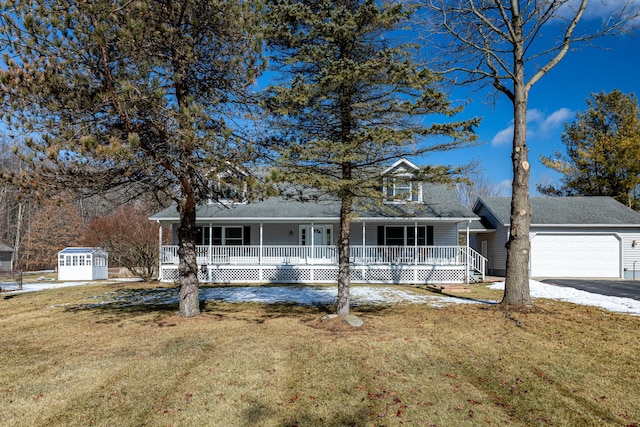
614	288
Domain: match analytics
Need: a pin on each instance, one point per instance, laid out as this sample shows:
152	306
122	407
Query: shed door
575	255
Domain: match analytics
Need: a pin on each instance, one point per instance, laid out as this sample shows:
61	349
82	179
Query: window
81	260
405	235
61	261
403	190
233	236
221	236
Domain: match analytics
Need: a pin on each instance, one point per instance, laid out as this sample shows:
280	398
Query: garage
575	255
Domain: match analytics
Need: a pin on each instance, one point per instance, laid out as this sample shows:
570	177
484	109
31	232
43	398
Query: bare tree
478	185
511	45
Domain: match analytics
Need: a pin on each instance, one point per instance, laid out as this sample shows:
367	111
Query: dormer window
399	183
397	189
229	188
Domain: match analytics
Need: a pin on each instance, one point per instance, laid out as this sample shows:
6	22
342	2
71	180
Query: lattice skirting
323	274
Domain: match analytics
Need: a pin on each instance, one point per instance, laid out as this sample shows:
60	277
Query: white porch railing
371	264
307	255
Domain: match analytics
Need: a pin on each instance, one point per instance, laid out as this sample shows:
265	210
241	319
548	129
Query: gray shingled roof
5	248
596	210
440	202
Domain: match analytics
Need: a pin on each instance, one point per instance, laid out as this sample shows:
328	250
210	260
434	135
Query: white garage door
575	255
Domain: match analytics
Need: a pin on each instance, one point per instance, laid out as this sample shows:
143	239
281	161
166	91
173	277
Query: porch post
415	243
467	257
364	249
312	237
260	253
210	250
415	251
160	250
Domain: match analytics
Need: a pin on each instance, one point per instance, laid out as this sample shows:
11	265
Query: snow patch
576	296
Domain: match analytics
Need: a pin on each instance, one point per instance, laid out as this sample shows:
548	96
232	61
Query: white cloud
534	115
603	10
538	124
504	187
503	137
556	119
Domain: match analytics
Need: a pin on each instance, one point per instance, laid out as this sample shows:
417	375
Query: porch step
453	289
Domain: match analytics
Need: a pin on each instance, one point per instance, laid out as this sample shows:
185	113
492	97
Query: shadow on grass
255	304
259	413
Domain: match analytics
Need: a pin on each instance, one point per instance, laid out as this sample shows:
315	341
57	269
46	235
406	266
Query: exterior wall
445	234
631	254
6	261
86	272
496	250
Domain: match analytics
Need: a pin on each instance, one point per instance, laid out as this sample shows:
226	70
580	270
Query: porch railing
307	255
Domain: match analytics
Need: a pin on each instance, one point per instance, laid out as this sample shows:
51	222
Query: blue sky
554	100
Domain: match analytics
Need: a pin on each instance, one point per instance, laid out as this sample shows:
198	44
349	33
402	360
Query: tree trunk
516	290
18	236
344	268
189	305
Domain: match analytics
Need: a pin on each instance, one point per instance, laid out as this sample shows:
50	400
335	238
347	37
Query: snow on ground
310	295
360	295
576	296
47	284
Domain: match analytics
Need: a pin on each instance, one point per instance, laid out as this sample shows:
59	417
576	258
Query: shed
83	264
6	257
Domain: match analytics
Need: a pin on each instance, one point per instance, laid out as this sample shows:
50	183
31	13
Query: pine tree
602	151
351	98
121	94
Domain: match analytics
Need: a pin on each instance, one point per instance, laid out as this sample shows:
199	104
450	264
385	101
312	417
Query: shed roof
80	250
439	203
5	248
579	211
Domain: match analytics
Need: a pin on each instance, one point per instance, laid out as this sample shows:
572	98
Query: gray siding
496	250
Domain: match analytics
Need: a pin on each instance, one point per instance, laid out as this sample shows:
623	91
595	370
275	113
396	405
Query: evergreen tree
351	97
603	148
106	94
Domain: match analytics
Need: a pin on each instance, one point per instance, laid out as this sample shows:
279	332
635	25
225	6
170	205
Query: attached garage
570	237
575	255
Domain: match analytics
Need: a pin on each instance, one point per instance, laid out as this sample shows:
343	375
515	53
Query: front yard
66	359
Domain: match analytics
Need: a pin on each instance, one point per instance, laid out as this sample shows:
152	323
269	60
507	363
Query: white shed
83	264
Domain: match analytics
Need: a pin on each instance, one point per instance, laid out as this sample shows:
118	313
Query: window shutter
246	235
381	235
429	235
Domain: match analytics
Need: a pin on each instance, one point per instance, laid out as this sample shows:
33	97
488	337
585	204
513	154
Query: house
410	238
570	236
83	264
6	257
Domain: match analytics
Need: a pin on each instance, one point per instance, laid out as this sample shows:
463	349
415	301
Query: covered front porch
319	264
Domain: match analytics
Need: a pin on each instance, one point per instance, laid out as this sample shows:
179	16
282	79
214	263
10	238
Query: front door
321	238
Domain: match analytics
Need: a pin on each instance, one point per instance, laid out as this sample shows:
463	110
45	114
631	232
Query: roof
5	248
439	203
71	251
577	211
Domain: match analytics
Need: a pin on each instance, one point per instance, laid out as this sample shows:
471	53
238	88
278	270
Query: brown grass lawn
63	363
